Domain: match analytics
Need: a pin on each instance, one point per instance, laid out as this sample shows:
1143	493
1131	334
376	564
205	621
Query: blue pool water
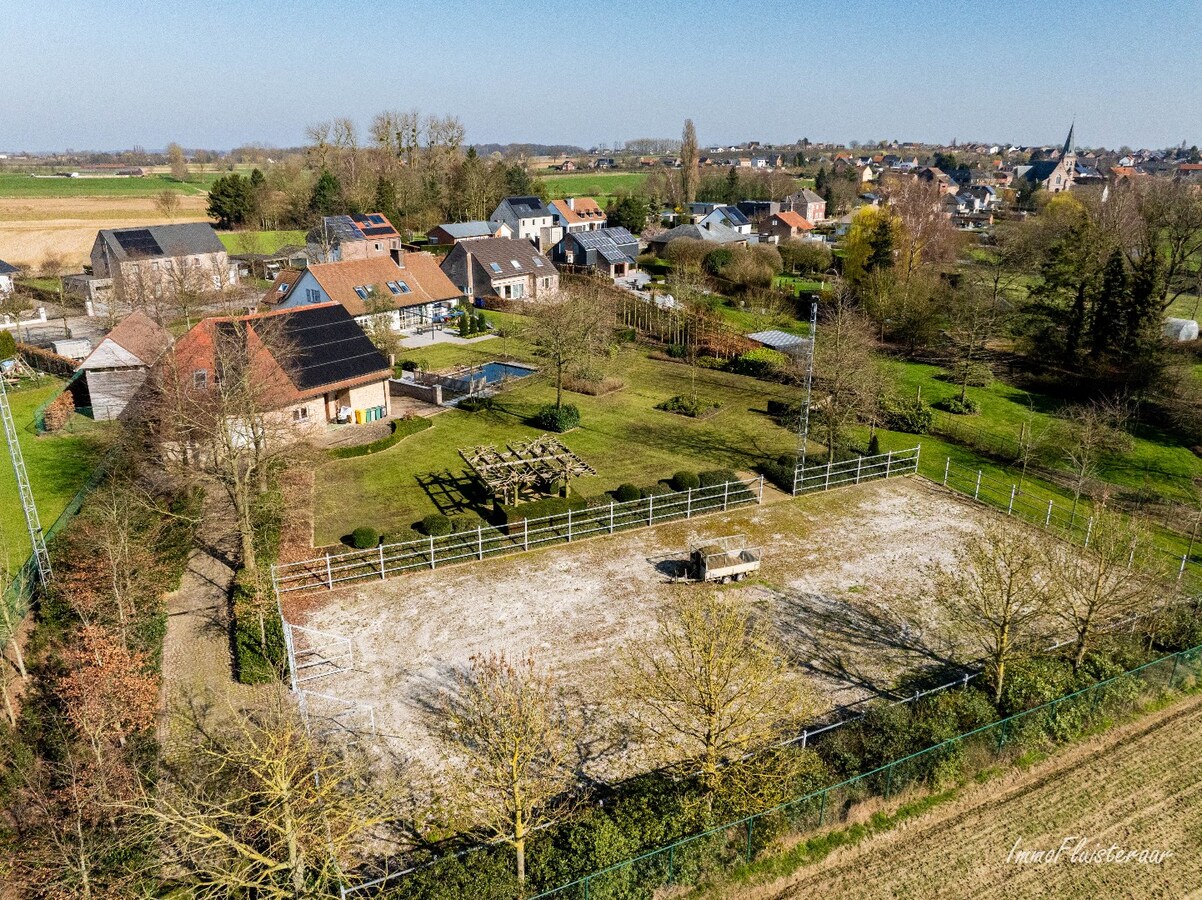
494	372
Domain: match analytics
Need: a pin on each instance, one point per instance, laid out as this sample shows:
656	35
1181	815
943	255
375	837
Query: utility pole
40	554
804	434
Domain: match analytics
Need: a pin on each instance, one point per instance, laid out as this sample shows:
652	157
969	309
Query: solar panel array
138	242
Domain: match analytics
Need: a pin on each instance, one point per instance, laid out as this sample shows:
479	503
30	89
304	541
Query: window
538	262
300	414
312	295
404	287
496	267
379	246
519	291
361	291
283	288
392	286
200	378
517	265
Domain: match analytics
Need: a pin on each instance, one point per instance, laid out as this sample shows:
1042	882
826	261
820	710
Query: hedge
45	361
401	428
561	419
256	661
539	509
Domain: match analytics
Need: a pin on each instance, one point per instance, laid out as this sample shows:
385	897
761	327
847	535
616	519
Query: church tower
1068	150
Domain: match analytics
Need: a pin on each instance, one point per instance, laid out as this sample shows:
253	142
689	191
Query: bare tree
924	235
712	686
973	320
994	595
1170	222
1029	443
1086	435
258	807
177	161
1120	573
563	328
167	203
846	373
510	735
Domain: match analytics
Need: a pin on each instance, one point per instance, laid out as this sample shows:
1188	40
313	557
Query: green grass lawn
601	186
1187	306
260	241
746	320
58	466
798	284
622	436
26	186
1156	461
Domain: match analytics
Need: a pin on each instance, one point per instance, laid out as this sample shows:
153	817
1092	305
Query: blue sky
101	74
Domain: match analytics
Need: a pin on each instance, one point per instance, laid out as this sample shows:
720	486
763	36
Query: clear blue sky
99	74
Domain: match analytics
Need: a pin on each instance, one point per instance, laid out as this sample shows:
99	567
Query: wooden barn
117	368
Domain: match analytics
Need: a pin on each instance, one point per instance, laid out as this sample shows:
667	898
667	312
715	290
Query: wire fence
1072	521
703	856
853	471
486	541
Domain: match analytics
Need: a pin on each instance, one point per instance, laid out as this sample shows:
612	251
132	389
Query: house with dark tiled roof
607	251
530	220
409	293
713	233
509	268
151	261
309	366
117	367
729	216
357	236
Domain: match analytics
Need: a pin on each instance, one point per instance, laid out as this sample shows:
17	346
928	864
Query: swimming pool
494	372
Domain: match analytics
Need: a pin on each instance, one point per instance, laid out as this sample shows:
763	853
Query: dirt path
1138	786
197	666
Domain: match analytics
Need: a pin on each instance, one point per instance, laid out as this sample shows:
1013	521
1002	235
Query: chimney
571	203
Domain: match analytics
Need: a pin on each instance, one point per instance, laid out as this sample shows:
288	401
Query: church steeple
1068	143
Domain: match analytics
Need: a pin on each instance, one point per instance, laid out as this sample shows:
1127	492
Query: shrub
958	407
910	416
259	655
565	418
465	325
409	366
678	351
780	475
786	414
476	404
717	477
364	538
683	405
8	345
717	260
759	363
684	481
401	428
436	525
627	493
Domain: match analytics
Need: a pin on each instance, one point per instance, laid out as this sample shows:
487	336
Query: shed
117	368
1180	330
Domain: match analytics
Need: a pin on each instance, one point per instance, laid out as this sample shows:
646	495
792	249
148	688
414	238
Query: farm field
840	579
1137	786
14	185
58	466
260	241
392	490
601	186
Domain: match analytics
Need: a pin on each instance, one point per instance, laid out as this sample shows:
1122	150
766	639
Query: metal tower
40	554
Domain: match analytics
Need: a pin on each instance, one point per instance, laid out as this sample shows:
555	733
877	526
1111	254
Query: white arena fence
833	473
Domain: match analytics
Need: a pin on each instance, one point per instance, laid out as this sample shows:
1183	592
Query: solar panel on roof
373	232
139	242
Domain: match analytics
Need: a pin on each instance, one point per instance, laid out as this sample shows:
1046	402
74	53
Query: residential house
357	236
807	204
8	275
451	233
713	232
610	251
758	209
731	217
1191	172
577	214
117	367
510	268
529	220
147	262
568	165
313	365
605	162
785	226
411	293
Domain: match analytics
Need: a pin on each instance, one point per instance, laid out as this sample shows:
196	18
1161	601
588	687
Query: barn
117	367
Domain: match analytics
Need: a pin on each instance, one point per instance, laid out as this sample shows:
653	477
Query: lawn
622	436
260	241
601	186
58	466
796	284
746	320
27	186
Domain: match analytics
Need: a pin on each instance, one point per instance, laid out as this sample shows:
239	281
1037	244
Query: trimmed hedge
364	538
538	509
684	481
45	361
563	419
435	525
475	404
627	493
401	428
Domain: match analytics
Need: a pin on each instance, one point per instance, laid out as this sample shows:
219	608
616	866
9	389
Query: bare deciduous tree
1087	433
712	686
177	161
510	734
994	595
847	379
167	203
563	328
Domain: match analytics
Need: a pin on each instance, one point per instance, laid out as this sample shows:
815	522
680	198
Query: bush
565	418
684	481
958	407
436	525
8	345
910	416
678	351
717	477
364	538
627	493
717	260
476	404
780	475
259	655
409	366
786	414
693	407
759	363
